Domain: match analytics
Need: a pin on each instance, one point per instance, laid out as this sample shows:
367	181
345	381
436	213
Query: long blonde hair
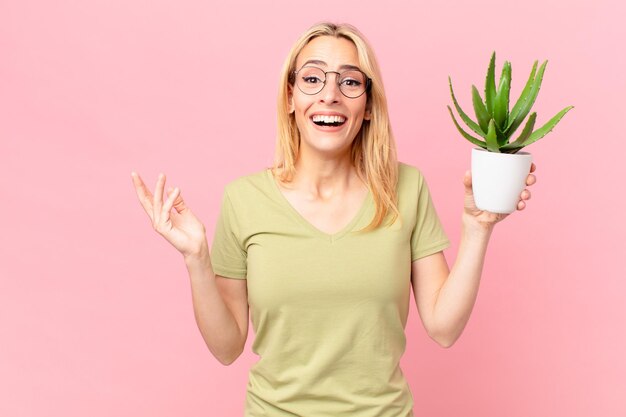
373	152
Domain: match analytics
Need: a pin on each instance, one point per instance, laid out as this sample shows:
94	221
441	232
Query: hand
487	218
179	227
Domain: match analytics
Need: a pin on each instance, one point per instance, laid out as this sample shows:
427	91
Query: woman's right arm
220	304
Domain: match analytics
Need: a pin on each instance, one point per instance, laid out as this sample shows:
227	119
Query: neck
325	178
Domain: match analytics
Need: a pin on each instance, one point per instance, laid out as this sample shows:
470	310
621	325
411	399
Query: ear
290	99
368	111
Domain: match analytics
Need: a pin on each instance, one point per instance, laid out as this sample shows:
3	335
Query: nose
330	92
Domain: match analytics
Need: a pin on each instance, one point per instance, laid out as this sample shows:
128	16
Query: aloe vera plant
495	123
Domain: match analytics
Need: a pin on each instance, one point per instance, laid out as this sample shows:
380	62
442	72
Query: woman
325	245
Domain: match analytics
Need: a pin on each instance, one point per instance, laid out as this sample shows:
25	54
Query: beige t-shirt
328	311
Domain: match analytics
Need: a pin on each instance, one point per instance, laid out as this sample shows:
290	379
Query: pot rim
520	153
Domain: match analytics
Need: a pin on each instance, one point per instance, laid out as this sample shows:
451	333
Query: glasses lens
310	80
352	83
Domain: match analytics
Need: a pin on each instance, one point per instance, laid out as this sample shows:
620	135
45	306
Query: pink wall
95	307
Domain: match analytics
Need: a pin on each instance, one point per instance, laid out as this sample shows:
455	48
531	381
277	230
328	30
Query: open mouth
330	121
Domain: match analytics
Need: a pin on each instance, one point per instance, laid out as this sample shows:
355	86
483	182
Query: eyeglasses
352	83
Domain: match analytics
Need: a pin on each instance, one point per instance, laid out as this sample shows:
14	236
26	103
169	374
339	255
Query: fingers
178	204
143	194
525	195
157	210
530	180
170	202
157	203
140	187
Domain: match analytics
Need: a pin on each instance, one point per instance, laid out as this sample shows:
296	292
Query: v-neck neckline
307	224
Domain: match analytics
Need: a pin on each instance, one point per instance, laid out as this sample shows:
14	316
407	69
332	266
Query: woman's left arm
444	298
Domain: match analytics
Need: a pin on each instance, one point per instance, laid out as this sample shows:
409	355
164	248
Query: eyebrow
318	62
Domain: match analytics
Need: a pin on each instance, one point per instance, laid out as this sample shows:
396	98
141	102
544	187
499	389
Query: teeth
328	119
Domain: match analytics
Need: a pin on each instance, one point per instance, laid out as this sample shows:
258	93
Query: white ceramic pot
498	179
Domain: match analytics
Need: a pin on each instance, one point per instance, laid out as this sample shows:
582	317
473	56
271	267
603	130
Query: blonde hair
373	152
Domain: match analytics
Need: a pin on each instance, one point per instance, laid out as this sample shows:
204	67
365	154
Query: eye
352	79
311	80
351	83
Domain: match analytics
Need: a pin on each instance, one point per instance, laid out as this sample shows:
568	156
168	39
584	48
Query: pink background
95	308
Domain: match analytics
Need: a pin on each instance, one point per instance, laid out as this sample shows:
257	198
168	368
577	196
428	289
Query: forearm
217	324
457	295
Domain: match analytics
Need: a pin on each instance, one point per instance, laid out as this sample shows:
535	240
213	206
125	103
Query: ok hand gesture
179	227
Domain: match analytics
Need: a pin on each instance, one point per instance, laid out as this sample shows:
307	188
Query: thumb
467	181
179	204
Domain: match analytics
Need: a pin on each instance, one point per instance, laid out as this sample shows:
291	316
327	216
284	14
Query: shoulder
244	197
257	180
409	177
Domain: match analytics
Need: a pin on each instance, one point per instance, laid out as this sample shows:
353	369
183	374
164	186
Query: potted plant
499	169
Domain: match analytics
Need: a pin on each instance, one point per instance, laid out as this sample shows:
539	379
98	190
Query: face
329	54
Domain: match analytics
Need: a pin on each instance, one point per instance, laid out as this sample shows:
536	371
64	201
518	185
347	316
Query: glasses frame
368	80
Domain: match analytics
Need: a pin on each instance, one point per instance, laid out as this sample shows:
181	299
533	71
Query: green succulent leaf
494	122
492	141
490	84
473	125
511	150
501	105
479	108
528	103
519	142
523	96
545	129
466	135
500	136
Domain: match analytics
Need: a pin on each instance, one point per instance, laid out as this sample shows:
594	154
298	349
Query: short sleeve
428	235
228	257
